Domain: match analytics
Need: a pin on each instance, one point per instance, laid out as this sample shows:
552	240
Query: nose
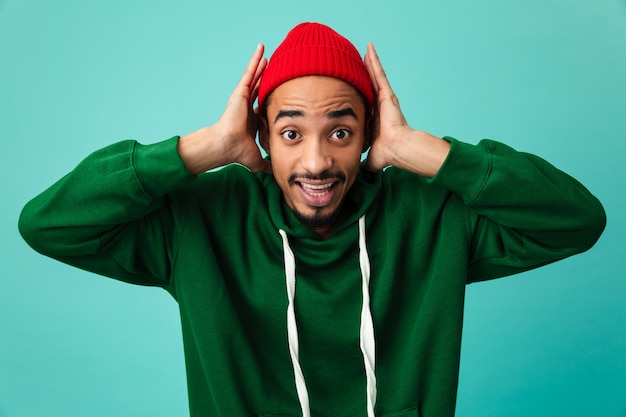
315	156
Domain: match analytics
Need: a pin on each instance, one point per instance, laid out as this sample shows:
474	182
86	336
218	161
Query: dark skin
316	134
232	138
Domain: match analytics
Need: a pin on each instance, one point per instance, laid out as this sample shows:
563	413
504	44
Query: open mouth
316	190
317	194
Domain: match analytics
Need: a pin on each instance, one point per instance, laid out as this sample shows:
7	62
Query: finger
370	71
254	95
259	71
255	91
376	68
248	77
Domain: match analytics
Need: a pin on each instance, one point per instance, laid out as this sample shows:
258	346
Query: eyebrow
338	114
288	113
335	114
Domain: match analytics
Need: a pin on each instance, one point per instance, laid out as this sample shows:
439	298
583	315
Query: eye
290	135
340	134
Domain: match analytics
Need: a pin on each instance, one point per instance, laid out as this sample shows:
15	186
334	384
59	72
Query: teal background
545	76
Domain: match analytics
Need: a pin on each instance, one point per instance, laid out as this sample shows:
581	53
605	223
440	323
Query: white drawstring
292	328
367	342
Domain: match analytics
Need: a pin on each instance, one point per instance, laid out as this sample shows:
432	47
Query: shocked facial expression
316	136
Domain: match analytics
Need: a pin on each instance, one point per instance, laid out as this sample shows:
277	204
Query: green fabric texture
133	212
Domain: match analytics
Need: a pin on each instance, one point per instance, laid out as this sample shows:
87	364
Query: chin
317	217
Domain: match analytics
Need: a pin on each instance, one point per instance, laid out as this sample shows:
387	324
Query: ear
264	134
371	127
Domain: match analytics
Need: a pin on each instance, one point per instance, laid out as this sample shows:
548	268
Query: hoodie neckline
357	202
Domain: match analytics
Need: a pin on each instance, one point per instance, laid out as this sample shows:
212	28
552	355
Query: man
308	283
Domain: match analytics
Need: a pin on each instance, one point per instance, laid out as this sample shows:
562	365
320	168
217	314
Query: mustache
326	175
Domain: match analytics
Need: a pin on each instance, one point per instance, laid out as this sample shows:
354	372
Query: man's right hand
232	138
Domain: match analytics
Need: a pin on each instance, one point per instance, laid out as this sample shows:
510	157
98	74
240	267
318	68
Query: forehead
315	94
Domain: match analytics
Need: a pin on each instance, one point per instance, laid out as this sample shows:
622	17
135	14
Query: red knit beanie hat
315	49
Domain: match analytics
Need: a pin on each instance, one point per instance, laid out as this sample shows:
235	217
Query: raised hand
389	123
232	138
394	141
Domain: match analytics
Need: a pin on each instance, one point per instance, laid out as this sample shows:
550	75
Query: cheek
353	158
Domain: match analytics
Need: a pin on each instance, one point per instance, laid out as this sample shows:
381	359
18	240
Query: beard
317	219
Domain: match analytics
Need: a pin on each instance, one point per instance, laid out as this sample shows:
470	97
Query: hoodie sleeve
522	211
111	215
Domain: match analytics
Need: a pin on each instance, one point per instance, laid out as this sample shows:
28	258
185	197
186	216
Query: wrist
420	152
197	150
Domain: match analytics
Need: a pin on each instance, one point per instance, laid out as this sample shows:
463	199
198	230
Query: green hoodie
134	213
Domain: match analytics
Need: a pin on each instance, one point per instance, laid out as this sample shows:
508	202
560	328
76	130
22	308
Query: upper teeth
317	186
